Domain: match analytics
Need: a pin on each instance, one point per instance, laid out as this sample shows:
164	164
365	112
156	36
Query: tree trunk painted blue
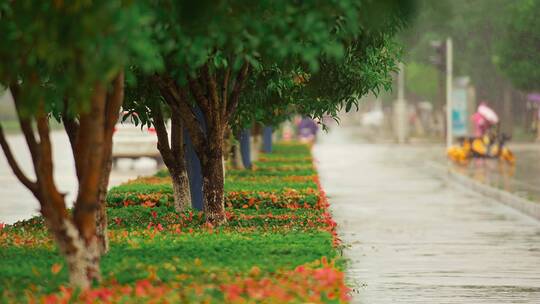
194	166
245	148
267	139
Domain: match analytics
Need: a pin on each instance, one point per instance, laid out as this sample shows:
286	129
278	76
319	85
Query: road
413	238
18	203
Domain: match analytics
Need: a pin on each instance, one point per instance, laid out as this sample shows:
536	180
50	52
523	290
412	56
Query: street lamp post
400	108
449	65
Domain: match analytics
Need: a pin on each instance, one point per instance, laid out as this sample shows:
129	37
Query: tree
422	80
66	60
518	54
476	28
212	50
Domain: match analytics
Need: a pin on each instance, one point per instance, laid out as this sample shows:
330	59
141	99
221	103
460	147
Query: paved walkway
17	203
415	239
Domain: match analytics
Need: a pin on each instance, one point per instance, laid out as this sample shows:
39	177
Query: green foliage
488	45
422	80
517	54
54	50
311	58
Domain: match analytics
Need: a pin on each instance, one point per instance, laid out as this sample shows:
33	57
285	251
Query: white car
131	141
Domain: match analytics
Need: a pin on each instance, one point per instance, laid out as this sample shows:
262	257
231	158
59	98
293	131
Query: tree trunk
256	142
82	258
217	102
236	157
213	187
181	193
101	213
91	143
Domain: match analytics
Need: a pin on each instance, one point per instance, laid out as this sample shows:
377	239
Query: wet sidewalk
416	239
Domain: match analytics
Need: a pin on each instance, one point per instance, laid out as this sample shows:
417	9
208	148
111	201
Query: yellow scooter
488	146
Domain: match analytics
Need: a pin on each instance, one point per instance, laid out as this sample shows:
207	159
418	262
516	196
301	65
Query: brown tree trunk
213	185
218	101
179	176
236	158
82	257
173	154
90	157
101	213
91	142
181	193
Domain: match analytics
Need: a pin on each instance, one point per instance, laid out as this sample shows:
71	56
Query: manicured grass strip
32	232
277	225
271	173
130	256
161	195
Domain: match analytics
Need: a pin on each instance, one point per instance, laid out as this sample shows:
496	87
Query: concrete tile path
413	238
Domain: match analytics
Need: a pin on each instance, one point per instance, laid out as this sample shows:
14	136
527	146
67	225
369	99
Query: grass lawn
279	244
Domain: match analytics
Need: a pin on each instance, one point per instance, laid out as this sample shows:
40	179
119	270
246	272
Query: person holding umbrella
483	119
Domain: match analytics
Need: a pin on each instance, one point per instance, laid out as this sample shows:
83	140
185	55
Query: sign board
459	111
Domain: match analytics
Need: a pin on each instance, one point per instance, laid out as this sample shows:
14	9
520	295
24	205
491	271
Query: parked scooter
488	142
491	146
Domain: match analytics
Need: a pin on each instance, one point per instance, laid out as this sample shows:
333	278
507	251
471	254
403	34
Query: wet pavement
522	179
18	203
414	238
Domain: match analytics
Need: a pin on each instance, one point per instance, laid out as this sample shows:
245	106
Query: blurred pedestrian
307	130
483	119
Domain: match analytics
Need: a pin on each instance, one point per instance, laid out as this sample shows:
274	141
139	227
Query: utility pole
400	108
449	70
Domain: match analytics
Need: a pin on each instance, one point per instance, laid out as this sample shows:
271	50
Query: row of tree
213	67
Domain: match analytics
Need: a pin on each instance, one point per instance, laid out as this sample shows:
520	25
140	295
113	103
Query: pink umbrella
488	113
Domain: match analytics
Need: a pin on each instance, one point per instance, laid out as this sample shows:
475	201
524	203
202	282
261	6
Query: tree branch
177	139
235	94
87	129
114	102
210	79
90	144
200	98
46	162
192	124
32	186
26	125
70	125
162	135
225	91
178	101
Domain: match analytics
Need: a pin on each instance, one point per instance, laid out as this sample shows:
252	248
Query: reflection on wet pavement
413	238
523	179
